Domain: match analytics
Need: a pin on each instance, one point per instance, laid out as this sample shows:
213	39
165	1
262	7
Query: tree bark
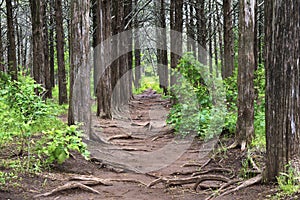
2	66
162	53
176	36
80	97
12	57
51	44
38	41
245	121
282	86
228	67
48	85
137	51
62	81
102	53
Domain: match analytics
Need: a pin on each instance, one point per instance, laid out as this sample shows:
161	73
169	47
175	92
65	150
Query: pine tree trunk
2	66
48	85
282	86
12	57
245	121
137	51
51	44
37	41
228	67
62	81
80	97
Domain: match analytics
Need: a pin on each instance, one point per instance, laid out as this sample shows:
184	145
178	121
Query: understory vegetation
207	105
32	135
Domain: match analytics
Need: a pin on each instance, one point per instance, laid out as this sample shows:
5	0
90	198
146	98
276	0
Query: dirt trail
137	150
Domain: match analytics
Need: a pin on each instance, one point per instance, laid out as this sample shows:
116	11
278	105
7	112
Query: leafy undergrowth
31	135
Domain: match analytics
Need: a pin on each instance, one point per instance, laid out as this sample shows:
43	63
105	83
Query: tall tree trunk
201	30
176	37
51	43
245	121
2	66
38	41
228	67
80	97
48	85
220	39
162	54
129	25
102	53
282	20
12	58
137	51
62	81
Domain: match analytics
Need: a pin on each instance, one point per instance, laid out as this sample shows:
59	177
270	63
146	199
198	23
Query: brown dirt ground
32	185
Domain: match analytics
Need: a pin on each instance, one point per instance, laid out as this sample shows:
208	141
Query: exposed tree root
129	181
221	170
197	172
201	165
226	185
72	185
236	144
123	137
244	184
183	181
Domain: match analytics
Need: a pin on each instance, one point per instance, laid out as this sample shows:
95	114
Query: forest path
138	157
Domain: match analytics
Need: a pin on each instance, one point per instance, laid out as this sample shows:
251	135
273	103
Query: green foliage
199	96
59	143
29	127
148	82
289	182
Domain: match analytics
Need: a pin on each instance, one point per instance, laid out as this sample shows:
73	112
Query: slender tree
51	43
282	22
162	53
245	121
12	57
37	41
62	81
228	67
137	50
46	74
2	66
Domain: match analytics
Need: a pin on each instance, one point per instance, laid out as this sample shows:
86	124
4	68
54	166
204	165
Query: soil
114	159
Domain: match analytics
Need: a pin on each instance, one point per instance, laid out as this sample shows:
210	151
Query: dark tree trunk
2	66
62	81
12	58
137	51
80	97
228	67
48	85
282	20
245	121
176	37
51	44
162	54
102	31
38	41
201	30
129	44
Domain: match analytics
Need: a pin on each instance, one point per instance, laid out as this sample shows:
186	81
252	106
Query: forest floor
116	171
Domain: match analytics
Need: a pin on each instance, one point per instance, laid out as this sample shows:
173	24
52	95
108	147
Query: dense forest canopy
227	66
